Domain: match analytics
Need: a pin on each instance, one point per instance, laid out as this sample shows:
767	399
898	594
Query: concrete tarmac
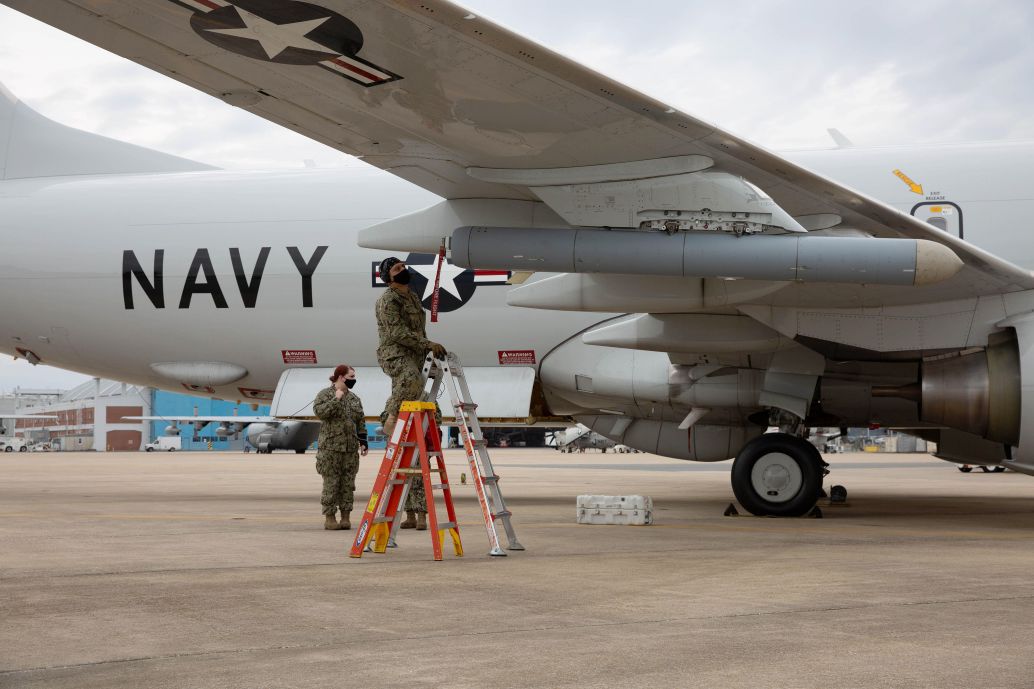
213	570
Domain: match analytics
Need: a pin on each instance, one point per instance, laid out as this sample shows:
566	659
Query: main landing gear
778	475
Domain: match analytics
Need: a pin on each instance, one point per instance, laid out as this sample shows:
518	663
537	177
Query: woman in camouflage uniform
342	439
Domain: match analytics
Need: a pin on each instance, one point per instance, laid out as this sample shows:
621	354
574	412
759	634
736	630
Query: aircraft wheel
965	468
777	475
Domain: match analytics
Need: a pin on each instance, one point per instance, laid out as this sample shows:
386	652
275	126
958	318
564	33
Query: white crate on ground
615	509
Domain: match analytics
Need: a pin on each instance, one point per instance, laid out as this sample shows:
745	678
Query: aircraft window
938	222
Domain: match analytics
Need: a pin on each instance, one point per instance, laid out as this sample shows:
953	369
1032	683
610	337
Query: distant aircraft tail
33	146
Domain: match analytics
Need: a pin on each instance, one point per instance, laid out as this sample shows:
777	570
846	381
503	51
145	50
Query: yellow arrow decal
915	188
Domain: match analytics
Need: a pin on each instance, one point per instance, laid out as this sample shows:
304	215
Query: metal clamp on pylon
415	442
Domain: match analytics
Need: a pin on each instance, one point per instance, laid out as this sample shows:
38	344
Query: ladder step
414	471
446	525
396	482
465	406
490	479
440	486
502	513
381	520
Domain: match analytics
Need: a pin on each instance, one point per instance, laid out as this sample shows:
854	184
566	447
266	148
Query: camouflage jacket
400	326
342	422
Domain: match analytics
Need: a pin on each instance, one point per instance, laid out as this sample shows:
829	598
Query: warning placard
517	357
299	356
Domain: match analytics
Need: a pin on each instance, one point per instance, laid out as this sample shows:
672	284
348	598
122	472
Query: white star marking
276	38
448	281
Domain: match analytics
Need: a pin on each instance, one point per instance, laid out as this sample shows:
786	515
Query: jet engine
286	435
639	399
975	391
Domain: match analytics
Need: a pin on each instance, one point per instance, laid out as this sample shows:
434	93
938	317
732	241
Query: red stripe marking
480	273
361	72
209	4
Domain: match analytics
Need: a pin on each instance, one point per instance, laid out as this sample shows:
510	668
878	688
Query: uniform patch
286	32
457	284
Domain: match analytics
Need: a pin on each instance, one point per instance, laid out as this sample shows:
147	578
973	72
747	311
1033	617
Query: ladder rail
449	371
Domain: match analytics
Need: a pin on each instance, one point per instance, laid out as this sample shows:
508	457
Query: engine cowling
643	403
975	391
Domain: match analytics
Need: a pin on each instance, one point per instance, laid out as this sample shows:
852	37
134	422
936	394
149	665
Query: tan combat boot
389	426
346	524
330	523
410	521
421	521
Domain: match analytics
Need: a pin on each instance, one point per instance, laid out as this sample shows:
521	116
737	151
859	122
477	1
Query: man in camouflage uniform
403	346
342	439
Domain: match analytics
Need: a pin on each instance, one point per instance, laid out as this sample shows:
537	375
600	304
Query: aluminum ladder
448	372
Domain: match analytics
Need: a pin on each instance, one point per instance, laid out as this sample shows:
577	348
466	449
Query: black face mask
403	277
350	383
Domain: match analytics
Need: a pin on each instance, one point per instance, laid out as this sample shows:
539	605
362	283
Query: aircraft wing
427	90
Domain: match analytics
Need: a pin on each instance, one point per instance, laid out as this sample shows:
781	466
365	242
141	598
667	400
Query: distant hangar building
91	416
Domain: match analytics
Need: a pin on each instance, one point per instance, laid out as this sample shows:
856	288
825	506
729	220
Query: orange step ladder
415	443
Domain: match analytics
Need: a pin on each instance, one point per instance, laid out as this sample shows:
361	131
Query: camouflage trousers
338	472
407	384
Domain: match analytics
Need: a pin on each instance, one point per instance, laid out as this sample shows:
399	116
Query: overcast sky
778	73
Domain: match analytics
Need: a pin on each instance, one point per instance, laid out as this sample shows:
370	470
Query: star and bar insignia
457	284
286	32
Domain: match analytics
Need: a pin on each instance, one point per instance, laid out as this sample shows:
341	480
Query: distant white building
90	416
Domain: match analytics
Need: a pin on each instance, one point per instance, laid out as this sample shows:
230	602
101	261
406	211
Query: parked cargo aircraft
689	288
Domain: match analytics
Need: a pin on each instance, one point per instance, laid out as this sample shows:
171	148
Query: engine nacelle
644	403
977	392
701	443
286	435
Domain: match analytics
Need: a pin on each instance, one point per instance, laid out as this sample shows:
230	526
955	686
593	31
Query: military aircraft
687	288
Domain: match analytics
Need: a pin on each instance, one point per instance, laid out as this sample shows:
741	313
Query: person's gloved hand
438	350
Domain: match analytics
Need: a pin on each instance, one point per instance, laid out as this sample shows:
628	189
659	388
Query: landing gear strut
778	475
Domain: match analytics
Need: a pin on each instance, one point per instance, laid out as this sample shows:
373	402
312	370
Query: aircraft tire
777	475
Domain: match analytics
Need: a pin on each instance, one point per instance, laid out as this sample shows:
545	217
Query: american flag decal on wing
286	32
